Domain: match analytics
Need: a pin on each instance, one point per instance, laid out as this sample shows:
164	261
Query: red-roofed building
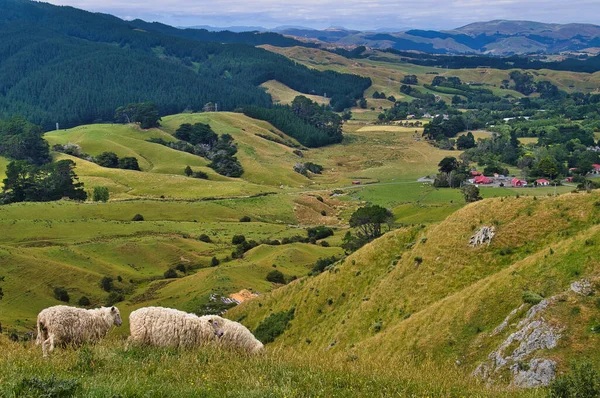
569	179
518	183
543	182
482	180
596	168
476	173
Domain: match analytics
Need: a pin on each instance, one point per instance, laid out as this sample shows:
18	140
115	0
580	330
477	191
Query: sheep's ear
112	309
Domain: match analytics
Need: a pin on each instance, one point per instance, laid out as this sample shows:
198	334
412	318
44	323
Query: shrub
418	260
47	387
181	267
84	301
108	159
138	217
323	213
204	238
324	243
584	381
214	262
200	174
170	273
245	219
106	283
61	294
188	171
237	239
531	297
320	232
100	194
114	298
129	163
273	326
323	263
276	277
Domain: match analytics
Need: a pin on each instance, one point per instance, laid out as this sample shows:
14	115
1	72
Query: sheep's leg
51	338
45	344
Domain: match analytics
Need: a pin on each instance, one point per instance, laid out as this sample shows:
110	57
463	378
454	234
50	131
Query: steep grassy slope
423	293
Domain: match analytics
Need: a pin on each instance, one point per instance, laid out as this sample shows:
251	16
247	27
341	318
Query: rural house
543	182
518	183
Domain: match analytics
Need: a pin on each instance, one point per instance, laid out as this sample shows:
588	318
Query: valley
387	216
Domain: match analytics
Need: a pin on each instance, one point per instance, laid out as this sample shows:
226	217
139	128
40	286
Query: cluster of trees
27	182
440	128
367	222
199	139
304	168
60	64
145	114
306	121
112	161
21	140
410	79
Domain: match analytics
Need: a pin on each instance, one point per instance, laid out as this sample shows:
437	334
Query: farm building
569	179
475	173
482	180
518	183
543	182
596	169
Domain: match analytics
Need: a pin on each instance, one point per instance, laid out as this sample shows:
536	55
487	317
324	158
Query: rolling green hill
424	293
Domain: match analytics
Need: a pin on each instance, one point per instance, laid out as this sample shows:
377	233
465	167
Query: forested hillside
61	64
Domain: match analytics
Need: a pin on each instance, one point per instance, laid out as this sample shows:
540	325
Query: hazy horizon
351	14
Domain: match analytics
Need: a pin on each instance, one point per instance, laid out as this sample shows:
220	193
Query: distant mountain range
497	37
494	37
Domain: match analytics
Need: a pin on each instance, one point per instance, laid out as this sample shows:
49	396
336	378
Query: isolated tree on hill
101	194
188	171
471	193
368	220
448	164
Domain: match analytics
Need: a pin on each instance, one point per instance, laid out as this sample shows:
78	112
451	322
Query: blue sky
356	14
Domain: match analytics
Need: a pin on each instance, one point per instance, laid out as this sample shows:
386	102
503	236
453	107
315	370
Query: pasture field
284	95
112	369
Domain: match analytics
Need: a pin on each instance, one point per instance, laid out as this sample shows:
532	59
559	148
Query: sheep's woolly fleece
62	325
167	327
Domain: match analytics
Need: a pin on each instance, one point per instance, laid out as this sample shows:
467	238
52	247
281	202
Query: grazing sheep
237	336
167	327
64	325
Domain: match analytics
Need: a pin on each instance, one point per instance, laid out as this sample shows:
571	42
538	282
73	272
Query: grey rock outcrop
533	334
540	372
582	287
485	234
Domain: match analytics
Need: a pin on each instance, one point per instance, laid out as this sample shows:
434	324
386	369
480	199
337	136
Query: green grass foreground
111	369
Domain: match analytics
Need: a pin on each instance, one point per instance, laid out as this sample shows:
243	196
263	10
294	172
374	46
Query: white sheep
167	327
63	325
237	336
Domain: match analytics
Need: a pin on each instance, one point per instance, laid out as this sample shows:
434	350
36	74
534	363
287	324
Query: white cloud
359	14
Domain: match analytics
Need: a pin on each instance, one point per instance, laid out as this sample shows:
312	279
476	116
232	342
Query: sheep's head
217	326
116	315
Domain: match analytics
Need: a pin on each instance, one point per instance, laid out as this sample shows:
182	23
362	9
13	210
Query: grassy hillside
72	245
423	293
387	76
284	95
